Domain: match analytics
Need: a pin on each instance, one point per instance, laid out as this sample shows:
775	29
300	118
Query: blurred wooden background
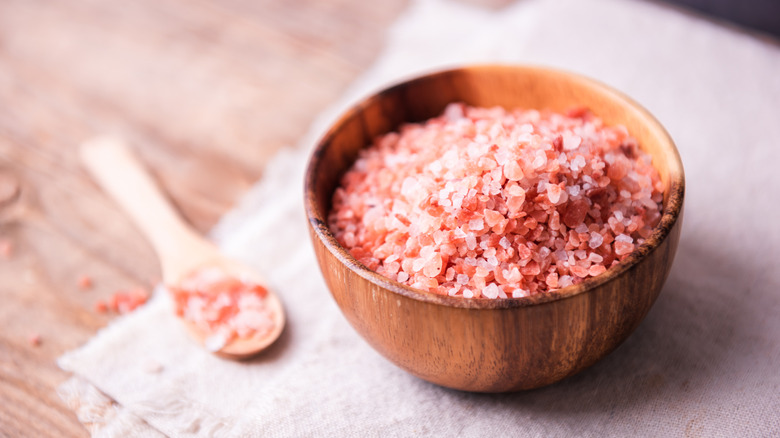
205	92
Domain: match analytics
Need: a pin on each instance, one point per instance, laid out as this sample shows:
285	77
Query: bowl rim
671	212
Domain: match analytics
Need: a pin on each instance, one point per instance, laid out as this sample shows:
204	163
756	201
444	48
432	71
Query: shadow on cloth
277	349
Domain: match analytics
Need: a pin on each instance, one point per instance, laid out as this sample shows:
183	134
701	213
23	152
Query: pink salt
222	306
6	248
84	282
34	339
489	203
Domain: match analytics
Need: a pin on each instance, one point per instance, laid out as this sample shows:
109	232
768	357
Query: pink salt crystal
596	240
595	258
6	248
564	281
392	267
493	217
408	264
513	171
553	192
428	283
450	274
540	159
575	213
34	339
552	280
490	291
571	142
596	270
515	203
532	268
513	275
623	244
579	271
555	221
479	283
518	293
523	252
84	282
433	266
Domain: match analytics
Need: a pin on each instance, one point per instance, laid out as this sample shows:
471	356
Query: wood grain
503	344
205	92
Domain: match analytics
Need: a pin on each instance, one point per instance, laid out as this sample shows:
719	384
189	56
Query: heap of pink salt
222	306
484	202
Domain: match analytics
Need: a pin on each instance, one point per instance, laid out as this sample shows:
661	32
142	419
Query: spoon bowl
180	249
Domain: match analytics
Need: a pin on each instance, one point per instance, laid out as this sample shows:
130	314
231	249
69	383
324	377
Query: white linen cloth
705	362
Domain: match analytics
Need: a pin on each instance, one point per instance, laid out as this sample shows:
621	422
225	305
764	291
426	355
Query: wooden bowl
504	344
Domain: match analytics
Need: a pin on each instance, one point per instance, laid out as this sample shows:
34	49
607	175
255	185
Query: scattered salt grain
6	249
122	301
84	282
34	339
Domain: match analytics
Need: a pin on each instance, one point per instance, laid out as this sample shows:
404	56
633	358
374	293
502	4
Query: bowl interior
507	86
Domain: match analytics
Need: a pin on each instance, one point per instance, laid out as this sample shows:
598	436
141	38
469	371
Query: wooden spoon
180	249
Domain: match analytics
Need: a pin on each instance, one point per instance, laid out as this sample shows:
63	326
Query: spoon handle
121	175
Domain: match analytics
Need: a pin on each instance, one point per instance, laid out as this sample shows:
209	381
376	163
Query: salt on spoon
223	304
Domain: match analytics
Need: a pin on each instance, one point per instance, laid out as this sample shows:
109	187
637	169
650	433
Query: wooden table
205	92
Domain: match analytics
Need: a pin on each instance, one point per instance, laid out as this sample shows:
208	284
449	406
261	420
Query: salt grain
34	339
518	293
596	240
6	248
490	291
